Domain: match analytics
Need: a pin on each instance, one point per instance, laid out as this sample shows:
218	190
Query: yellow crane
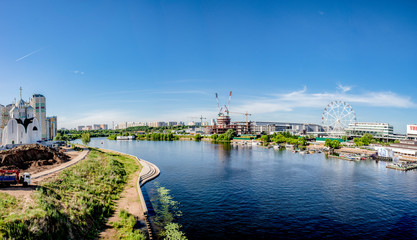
246	114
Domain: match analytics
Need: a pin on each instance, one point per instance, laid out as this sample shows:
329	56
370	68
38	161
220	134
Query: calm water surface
255	193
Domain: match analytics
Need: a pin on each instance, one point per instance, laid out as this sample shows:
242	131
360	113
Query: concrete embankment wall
149	171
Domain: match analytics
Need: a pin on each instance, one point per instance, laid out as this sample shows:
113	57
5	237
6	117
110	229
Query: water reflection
255	193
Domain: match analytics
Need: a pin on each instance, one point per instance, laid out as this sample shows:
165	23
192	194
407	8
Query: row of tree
284	137
225	137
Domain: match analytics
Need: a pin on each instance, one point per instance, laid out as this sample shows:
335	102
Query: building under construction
224	121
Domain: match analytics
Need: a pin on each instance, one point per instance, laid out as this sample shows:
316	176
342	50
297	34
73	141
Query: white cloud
344	88
78	72
302	99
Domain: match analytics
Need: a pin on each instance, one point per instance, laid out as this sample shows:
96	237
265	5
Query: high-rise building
51	127
38	103
80	128
104	126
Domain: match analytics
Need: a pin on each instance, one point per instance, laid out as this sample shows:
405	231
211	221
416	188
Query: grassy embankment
74	205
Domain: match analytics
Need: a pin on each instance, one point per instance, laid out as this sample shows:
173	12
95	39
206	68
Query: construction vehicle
8	177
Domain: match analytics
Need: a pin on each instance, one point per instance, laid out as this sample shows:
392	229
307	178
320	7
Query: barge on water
403	166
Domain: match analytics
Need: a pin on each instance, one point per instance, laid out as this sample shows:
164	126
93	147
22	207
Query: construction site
223	122
247	127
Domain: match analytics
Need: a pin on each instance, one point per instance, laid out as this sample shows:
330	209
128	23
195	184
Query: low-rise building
412	131
405	148
293	128
378	130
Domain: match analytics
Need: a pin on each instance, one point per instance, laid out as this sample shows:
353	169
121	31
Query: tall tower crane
226	106
248	128
246	114
201	119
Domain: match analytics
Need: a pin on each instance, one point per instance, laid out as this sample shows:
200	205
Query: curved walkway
149	171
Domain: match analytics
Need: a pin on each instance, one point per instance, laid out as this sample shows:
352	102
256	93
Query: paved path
80	157
149	171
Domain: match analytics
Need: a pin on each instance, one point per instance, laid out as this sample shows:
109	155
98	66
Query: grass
74	205
126	227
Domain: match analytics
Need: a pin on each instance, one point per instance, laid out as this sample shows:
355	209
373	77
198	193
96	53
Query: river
255	193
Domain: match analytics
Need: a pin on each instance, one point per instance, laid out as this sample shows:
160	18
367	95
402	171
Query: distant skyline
99	62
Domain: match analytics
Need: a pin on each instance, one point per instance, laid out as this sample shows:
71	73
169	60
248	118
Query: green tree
265	138
198	137
230	134
328	142
358	142
86	138
302	141
214	137
58	137
335	144
344	138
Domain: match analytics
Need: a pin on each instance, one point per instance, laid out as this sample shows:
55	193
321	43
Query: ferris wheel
337	116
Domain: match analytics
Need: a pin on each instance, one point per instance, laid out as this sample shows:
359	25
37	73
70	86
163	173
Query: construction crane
246	114
201	119
226	106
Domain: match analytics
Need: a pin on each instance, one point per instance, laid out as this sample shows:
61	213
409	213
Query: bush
198	137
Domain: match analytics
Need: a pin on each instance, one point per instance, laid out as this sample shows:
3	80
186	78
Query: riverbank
74	204
139	210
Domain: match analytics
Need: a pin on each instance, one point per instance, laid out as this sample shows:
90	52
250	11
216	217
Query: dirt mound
31	156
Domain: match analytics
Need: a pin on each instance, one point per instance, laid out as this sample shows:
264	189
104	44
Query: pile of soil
32	156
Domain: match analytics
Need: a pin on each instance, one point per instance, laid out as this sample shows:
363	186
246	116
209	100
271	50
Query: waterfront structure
378	130
256	127
405	148
293	128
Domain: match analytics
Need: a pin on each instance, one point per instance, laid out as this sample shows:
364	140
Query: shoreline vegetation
166	212
75	204
175	133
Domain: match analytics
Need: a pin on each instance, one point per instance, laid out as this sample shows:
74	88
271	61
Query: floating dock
403	167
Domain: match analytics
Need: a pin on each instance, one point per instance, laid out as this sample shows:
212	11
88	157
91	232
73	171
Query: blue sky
104	61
